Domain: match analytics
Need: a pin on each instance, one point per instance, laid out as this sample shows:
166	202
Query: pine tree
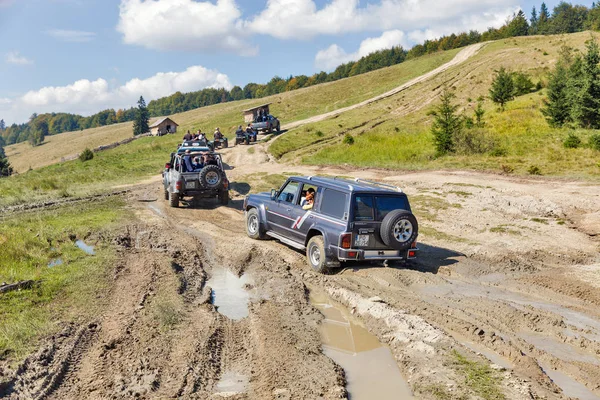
5	167
446	124
2	125
38	132
142	118
479	112
586	105
533	22
542	26
518	26
557	106
503	89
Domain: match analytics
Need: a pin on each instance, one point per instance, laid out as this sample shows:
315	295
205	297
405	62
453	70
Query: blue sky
83	56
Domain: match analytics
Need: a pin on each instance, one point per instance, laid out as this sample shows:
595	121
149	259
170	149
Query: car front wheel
315	254
253	228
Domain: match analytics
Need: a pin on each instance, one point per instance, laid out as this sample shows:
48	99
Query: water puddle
156	210
232	383
371	370
55	263
86	248
228	293
569	386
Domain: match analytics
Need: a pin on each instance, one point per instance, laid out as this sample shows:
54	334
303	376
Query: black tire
315	254
211	177
174	199
270	129
224	197
399	229
253	228
166	194
226	143
278	127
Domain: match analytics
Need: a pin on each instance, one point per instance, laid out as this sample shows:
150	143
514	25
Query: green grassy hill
289	106
395	133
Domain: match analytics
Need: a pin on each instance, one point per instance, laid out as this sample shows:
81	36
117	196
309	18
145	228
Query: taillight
346	240
178	185
352	254
225	183
412	254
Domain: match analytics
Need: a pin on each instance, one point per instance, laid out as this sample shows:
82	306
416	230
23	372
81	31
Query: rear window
370	208
333	203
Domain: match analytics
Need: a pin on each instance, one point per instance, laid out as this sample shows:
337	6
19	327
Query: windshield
375	208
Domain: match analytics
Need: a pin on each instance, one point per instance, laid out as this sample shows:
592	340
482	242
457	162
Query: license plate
361	240
190	185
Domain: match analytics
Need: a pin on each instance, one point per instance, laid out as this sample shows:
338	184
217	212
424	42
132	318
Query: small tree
446	124
2	125
86	155
479	112
557	107
5	167
142	118
503	88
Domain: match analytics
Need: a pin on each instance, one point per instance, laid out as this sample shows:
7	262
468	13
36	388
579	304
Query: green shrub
522	83
534	170
499	152
348	139
319	134
474	141
86	155
594	142
572	141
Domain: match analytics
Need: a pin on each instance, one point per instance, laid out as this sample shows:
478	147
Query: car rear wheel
399	229
224	197
174	199
253	228
315	254
278	127
166	194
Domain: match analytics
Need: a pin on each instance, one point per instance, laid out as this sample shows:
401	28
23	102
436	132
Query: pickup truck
269	124
181	179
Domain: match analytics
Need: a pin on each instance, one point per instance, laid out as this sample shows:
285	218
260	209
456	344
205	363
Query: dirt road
508	276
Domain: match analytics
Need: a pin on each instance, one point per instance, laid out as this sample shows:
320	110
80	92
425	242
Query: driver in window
309	201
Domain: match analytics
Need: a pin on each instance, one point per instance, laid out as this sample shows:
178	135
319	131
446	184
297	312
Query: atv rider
218	135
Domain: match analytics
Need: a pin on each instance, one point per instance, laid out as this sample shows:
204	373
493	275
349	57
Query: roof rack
358	180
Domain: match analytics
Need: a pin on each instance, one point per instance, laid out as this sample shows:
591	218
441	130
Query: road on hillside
508	275
461	57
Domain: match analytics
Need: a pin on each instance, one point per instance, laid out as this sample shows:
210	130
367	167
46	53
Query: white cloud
87	97
15	58
184	25
334	55
71	36
4	101
301	19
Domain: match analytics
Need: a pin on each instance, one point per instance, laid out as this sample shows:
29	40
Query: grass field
66	291
395	133
288	106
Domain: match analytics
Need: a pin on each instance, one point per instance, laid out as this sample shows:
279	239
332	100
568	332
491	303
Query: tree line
564	18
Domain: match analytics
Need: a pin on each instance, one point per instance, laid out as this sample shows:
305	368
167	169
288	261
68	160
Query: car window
363	208
305	189
288	193
385	204
333	203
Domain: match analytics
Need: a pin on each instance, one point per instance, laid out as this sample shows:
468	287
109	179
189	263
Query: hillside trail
460	57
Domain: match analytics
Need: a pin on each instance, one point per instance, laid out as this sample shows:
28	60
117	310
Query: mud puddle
558	349
370	368
489	354
569	386
232	383
85	247
228	293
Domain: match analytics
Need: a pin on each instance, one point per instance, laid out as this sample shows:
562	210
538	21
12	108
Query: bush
534	170
499	152
507	169
572	141
348	139
319	133
86	155
594	142
474	141
522	83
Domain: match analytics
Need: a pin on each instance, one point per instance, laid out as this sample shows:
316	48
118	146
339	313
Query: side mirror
168	166
273	194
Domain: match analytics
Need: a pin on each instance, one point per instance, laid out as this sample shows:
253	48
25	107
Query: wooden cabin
163	126
251	113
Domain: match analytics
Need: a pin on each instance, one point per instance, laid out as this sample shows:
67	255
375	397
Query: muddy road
508	282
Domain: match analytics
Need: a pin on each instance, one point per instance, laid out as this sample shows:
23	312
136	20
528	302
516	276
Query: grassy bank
39	246
395	133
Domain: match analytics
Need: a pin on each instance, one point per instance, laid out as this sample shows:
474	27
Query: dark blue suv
335	220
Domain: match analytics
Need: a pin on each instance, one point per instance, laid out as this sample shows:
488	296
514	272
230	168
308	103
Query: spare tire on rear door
211	177
399	229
